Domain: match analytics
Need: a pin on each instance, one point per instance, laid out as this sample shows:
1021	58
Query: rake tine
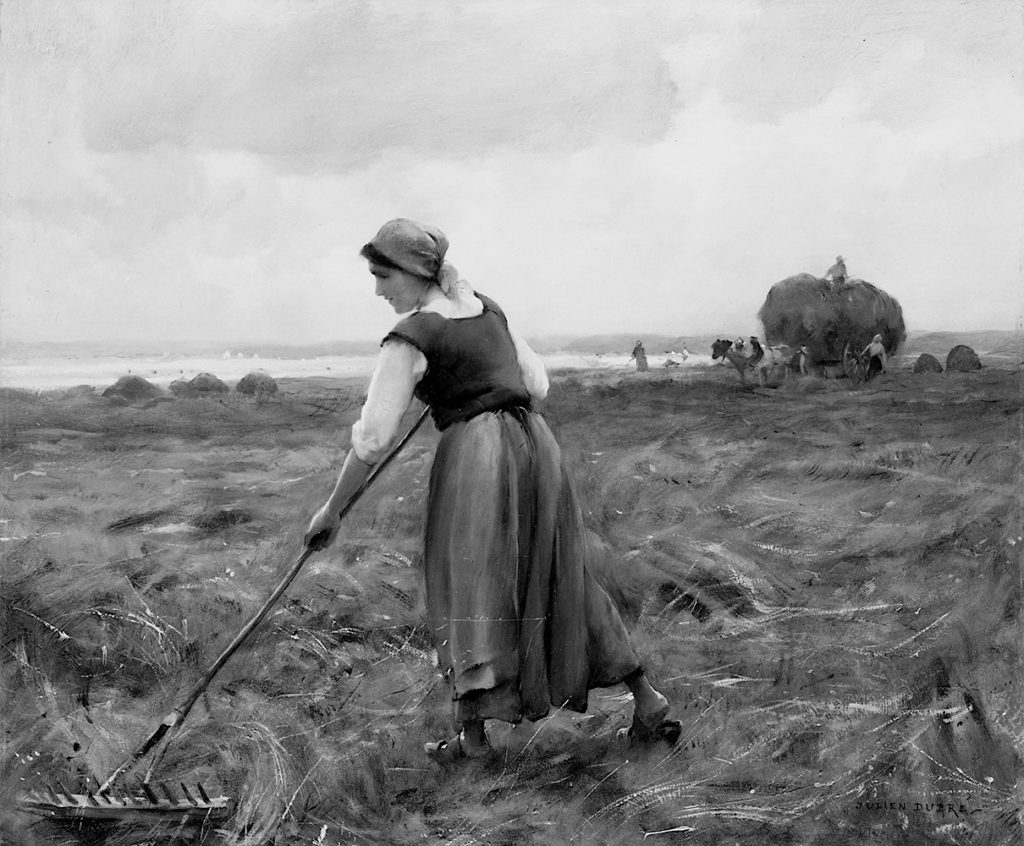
167	792
199	787
91	799
66	794
53	796
150	795
188	796
163	734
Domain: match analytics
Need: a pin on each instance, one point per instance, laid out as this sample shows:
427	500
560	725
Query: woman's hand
323	528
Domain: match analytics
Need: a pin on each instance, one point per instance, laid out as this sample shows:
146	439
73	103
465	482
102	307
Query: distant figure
875	349
837	272
641	357
804	356
756	350
685	353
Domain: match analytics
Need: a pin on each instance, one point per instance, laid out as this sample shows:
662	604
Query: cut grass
827	585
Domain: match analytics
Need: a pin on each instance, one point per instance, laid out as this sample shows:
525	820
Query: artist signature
958	810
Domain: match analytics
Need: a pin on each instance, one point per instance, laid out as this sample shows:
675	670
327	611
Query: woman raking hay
518	620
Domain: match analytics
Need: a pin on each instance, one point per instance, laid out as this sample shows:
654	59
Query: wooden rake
143	802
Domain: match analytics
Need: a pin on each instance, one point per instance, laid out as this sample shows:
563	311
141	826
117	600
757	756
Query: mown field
826	581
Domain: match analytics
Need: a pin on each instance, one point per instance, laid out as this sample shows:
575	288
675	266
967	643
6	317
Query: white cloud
206	172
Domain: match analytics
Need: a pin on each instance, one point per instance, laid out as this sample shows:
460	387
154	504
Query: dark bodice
472	366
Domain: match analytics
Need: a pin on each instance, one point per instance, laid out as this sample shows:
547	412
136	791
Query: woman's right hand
323	528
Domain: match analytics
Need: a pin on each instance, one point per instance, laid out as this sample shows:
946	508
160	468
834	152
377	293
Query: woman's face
402	290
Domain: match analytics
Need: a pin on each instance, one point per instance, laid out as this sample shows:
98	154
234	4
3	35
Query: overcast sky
209	170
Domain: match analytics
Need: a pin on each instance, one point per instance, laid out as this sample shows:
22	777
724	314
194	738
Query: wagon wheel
852	365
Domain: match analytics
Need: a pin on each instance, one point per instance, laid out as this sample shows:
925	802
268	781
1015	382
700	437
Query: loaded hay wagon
834	322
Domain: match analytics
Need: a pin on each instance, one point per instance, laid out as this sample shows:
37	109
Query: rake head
145	805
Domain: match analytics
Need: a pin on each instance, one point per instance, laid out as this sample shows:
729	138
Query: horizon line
10	342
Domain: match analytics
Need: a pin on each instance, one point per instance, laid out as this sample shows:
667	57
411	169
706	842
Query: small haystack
831	319
257	384
927	363
132	388
207	383
962	358
79	392
11	395
183	389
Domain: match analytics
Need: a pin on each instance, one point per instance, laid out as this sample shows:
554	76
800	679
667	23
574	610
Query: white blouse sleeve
400	366
531	367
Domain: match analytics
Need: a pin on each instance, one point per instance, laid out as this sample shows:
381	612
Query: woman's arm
400	367
531	367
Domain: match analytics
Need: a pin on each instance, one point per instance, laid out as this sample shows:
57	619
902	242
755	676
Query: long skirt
518	621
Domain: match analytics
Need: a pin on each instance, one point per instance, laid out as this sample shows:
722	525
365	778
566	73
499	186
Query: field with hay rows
824	578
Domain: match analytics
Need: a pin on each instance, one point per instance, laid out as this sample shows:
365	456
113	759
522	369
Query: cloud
325	87
211	170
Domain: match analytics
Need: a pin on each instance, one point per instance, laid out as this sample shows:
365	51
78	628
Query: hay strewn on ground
827	585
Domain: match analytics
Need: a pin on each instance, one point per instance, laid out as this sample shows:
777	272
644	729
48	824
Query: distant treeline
999	342
994	342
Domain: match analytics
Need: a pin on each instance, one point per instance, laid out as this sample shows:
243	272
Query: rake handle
172	722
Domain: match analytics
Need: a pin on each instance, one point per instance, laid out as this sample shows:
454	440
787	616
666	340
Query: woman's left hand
323	528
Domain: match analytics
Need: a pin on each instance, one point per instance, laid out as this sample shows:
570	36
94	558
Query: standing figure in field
837	272
756	350
804	359
875	349
516	616
640	355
